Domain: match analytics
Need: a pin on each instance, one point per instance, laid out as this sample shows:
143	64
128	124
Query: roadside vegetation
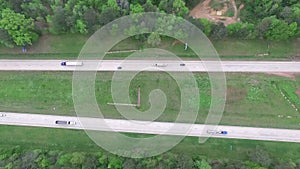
34	19
69	46
73	149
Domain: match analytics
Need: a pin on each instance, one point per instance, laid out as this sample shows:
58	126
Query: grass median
252	99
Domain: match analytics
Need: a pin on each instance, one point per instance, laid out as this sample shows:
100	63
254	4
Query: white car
2	115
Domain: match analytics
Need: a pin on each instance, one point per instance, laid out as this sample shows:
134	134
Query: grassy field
73	140
68	47
252	99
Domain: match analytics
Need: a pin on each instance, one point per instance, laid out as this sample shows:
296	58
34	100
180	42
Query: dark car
61	122
63	63
119	67
223	132
65	122
182	64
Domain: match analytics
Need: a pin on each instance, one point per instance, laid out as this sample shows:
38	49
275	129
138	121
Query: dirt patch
42	46
234	94
288	75
298	92
203	10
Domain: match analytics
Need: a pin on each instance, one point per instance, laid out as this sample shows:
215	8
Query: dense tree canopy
268	19
18	27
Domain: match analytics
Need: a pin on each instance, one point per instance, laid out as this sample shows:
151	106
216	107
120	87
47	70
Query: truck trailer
68	63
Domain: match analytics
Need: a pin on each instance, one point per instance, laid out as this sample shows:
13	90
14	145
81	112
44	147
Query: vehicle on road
160	65
2	115
65	122
182	64
66	63
223	132
119	67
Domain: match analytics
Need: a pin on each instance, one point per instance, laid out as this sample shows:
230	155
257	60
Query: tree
154	39
219	31
203	164
174	7
5	39
111	4
34	9
115	162
241	30
129	163
64	160
287	14
80	27
59	19
179	7
257	9
90	17
184	162
261	157
77	159
19	28
108	15
280	30
207	26
136	8
16	5
149	7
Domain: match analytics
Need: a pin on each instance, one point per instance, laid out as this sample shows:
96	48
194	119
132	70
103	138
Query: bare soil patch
234	94
298	92
288	75
203	10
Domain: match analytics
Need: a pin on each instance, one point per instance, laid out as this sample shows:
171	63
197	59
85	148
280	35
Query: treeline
32	159
23	21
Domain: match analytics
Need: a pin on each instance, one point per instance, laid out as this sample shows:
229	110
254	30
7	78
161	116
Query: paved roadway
116	125
148	65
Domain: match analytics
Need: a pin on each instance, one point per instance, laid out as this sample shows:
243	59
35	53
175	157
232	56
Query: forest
22	22
55	159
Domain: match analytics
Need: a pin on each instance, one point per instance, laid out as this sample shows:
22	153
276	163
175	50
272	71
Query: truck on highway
69	63
160	65
65	122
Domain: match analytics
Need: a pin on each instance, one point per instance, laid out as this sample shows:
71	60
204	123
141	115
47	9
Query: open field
68	47
252	99
73	140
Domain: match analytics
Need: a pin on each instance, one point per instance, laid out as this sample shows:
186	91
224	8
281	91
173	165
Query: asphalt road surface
126	126
149	65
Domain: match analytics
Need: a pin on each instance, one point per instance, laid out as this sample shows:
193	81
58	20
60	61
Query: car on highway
64	122
2	115
222	132
182	64
119	67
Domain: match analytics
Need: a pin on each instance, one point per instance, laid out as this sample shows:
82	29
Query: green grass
252	99
288	90
246	48
73	140
68	46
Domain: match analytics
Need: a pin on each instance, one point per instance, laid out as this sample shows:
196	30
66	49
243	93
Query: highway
149	65
117	125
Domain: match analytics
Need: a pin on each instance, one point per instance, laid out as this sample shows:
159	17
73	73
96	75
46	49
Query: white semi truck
71	63
160	65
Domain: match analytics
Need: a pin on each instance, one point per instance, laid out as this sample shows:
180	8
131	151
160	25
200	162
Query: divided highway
117	125
149	65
